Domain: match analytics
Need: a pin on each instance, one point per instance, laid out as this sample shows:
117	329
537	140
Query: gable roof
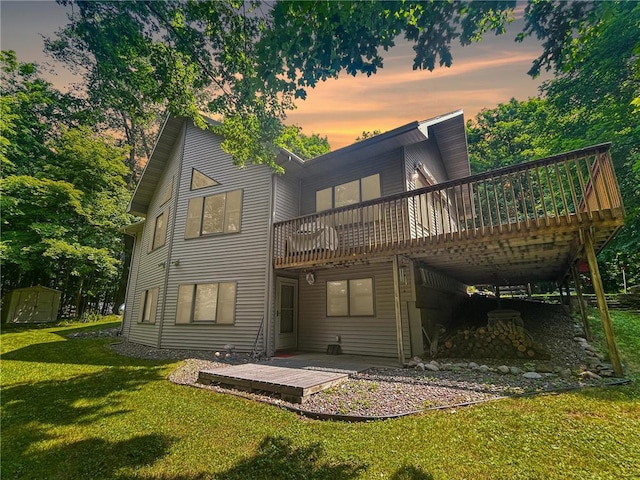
141	198
448	131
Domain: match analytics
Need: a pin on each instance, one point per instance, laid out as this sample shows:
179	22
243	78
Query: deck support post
581	305
602	303
568	291
561	294
396	292
498	300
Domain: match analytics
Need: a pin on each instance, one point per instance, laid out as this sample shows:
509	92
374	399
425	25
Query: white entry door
286	313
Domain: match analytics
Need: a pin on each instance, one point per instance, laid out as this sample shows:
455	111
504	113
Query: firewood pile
504	336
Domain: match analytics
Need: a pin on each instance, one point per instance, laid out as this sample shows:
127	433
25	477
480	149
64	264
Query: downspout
173	229
126	294
268	296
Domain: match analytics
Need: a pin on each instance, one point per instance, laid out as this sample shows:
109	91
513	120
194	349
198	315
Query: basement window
350	298
149	306
207	303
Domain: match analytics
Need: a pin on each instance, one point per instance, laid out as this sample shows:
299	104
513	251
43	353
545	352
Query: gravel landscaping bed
426	383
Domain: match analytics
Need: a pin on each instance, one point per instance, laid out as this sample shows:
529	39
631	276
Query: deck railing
569	189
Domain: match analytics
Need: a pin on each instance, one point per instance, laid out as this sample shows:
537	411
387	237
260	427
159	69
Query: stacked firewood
504	336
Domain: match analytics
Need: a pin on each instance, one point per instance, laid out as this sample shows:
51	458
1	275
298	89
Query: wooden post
581	305
568	292
602	304
498	301
561	294
396	291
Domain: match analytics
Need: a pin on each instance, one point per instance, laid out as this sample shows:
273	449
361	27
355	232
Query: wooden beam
581	305
602	303
396	294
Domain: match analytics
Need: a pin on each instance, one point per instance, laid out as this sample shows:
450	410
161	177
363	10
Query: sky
482	76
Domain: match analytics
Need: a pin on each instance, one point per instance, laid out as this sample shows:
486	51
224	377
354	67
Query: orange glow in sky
483	75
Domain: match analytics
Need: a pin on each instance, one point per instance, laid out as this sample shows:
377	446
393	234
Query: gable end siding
151	268
236	257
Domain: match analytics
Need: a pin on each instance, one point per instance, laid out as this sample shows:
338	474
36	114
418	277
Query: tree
63	193
246	62
591	100
304	146
510	133
367	134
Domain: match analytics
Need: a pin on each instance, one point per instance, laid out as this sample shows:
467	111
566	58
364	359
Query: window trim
203	199
152	247
348	296
168	193
145	298
193	189
192	305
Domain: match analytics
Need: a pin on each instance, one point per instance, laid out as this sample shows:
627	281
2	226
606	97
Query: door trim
286	341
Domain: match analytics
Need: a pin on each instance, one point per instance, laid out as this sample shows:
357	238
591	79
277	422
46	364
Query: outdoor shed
31	305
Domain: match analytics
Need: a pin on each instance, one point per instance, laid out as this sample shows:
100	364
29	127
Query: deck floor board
292	383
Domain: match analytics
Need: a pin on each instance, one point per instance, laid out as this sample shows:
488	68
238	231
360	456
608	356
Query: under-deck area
509	226
515	225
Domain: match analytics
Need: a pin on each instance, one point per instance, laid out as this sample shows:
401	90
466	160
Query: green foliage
367	134
304	146
63	192
246	62
510	133
590	101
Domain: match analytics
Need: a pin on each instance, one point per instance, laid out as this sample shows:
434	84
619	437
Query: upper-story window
360	190
168	192
159	232
215	214
200	180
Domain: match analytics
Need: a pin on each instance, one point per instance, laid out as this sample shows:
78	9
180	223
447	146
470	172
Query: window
149	306
200	180
361	190
350	298
167	194
159	232
214	214
207	302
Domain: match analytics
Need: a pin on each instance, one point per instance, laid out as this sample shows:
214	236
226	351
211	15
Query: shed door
286	313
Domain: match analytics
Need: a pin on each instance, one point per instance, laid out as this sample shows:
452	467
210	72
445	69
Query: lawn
72	409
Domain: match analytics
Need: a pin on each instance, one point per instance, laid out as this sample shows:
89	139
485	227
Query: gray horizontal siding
359	335
152	265
428	154
389	166
238	257
136	256
287	198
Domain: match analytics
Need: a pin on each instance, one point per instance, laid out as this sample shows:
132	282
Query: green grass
73	409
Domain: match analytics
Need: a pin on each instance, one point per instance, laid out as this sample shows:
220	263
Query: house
369	247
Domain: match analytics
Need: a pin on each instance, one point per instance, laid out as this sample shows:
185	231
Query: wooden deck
509	226
292	384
